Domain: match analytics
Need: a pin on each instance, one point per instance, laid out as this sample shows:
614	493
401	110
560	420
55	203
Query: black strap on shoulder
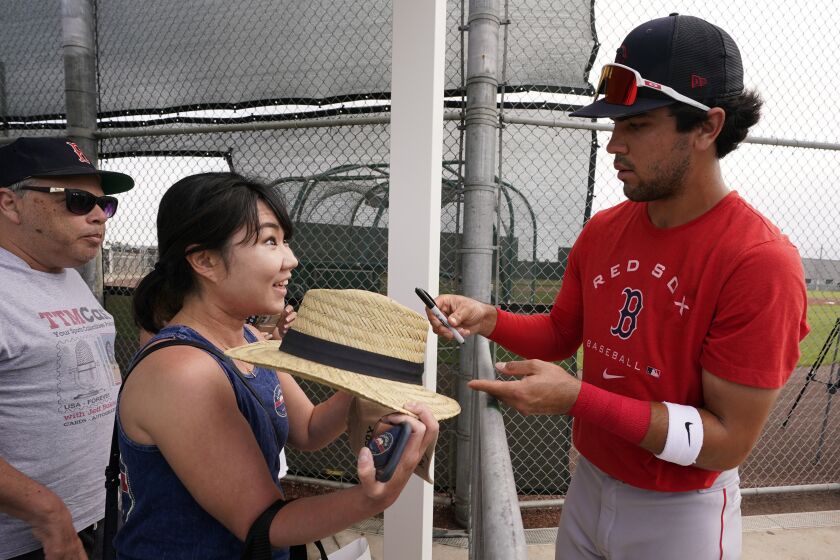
112	475
112	471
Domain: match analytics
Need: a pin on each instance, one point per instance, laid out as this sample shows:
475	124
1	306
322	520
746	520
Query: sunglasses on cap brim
81	202
620	85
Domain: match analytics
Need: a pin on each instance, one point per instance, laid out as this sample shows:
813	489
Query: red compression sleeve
626	417
542	337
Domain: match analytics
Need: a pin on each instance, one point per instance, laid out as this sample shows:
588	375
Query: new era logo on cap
698	81
621	53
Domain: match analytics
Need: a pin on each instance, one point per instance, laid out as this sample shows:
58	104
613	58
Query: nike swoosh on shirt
611	376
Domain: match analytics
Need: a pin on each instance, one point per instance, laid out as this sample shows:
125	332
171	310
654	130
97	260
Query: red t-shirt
654	307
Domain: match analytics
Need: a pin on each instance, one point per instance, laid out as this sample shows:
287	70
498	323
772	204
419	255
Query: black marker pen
430	303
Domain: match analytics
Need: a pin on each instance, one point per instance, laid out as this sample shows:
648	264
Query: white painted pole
417	83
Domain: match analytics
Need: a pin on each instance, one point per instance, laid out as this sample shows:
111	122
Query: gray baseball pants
604	518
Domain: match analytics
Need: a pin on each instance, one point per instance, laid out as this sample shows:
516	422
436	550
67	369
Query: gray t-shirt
58	391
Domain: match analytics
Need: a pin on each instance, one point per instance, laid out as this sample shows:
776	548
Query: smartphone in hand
387	449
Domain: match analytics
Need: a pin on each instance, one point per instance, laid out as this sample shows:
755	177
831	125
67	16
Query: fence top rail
386	119
605	127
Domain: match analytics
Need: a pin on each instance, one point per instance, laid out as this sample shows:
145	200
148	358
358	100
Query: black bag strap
320	548
112	476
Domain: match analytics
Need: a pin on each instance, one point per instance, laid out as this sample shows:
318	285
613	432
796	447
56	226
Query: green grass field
823	311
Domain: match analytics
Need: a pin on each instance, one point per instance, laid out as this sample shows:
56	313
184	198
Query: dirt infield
823	301
792	455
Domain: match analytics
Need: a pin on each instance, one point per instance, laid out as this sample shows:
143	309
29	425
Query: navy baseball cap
690	55
53	157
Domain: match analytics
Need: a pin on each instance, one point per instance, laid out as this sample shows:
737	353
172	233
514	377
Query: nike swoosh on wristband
688	431
611	376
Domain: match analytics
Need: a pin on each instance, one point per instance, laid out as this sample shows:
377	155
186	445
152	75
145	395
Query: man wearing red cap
58	375
689	305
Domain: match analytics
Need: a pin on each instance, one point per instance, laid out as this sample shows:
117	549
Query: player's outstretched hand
543	387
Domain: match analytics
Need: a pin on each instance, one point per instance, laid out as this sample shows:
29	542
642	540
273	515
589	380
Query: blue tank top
161	520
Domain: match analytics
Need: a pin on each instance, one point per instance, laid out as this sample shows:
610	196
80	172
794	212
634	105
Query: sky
789	50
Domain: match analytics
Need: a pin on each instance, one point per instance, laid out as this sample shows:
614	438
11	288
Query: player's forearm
721	448
679	434
540	337
725	428
26	499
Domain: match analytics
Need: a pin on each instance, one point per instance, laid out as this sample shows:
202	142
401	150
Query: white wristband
685	435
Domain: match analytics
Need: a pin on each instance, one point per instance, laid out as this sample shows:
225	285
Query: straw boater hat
359	342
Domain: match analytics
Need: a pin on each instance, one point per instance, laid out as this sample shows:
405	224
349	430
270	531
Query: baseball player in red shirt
689	304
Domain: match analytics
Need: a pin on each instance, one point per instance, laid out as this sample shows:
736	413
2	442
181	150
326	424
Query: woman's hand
287	317
424	431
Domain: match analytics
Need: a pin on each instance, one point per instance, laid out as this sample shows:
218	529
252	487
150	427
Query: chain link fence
298	94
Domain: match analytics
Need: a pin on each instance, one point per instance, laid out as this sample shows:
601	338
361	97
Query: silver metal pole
766	490
4	109
502	533
476	489
78	45
481	121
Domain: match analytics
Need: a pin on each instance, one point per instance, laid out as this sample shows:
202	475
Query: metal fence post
481	118
4	125
79	49
497	532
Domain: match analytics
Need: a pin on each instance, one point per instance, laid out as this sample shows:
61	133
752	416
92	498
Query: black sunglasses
81	202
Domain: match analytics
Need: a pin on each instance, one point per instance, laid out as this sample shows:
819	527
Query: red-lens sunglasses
620	84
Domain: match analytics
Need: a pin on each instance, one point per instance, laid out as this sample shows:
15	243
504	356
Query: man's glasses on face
81	202
620	85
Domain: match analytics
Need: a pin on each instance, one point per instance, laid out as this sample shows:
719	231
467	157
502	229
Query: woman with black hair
199	450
